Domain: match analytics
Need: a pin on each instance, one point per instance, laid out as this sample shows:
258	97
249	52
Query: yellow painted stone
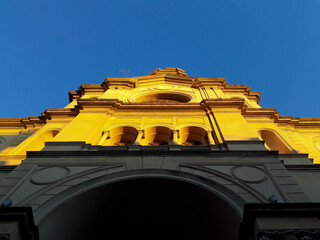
165	107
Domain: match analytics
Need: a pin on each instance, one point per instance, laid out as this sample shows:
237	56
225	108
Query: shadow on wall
121	136
156	135
190	136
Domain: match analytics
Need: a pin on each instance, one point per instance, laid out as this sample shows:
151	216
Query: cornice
169	107
23	122
273	114
244	89
163	78
145	80
167	78
167	75
189	81
114	104
220	82
228	88
117	104
85	88
61	112
99	103
34	121
120	82
223	103
168	70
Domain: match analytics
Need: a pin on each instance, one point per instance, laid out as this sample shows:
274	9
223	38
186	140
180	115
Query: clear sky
49	47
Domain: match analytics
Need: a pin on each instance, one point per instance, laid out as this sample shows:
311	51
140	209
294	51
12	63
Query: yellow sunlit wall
164	107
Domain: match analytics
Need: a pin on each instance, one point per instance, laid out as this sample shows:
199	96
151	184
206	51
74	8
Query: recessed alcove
274	142
121	136
190	136
157	135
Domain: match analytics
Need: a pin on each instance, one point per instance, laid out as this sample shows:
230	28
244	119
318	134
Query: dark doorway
143	208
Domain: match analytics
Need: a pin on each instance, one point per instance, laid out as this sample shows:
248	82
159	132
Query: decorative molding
84	88
70	177
23	122
53	112
99	103
259	196
289	235
260	112
168	70
49	175
273	114
247	179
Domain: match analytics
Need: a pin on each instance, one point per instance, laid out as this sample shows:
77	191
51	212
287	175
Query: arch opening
121	136
157	136
143	208
190	136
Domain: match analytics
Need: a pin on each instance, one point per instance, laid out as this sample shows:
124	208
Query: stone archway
143	208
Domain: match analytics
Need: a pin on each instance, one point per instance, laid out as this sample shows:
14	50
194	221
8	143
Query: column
175	137
105	135
210	138
139	137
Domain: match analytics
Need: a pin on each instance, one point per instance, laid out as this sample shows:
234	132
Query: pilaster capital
106	134
176	132
141	132
209	131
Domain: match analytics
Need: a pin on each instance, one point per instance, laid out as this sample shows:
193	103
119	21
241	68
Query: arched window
190	136
157	136
273	142
119	136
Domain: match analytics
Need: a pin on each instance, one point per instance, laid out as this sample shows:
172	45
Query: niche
273	142
157	136
121	136
190	136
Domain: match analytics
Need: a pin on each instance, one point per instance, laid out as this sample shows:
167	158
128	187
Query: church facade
162	156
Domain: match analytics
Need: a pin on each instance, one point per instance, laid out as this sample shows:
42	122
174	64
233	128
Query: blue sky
48	48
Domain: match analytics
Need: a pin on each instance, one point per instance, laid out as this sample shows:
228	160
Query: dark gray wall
309	181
